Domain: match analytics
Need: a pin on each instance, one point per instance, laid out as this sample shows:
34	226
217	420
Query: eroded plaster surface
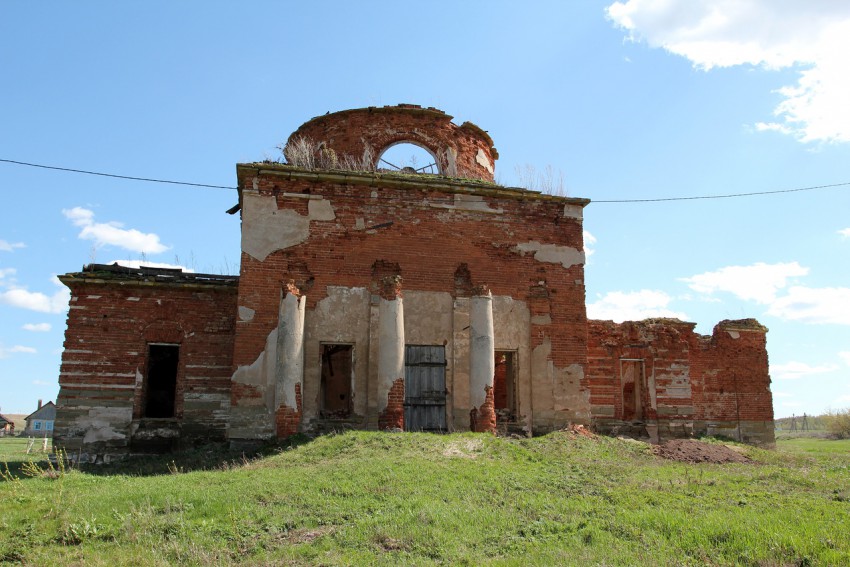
261	372
265	228
573	211
341	318
552	253
557	392
482	160
390	347
104	424
482	348
290	349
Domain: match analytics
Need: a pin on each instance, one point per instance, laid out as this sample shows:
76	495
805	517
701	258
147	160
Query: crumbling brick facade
116	315
661	378
391	300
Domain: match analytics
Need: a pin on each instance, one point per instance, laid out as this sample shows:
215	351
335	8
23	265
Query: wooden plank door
424	388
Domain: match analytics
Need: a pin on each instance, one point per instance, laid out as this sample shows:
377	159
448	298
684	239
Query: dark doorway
631	376
161	385
504	386
337	373
424	388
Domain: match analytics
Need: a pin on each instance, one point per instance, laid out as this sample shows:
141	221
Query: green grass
370	498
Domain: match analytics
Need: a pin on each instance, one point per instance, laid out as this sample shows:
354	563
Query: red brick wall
428	242
699	379
483	419
288	419
393	416
109	327
735	380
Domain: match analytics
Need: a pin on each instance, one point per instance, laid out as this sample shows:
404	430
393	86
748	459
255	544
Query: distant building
7	426
397	300
40	422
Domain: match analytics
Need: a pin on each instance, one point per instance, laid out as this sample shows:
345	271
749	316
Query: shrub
838	423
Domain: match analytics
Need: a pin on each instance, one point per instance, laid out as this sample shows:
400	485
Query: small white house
40	422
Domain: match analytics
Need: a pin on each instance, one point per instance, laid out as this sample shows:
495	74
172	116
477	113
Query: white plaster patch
133	299
573	211
289	365
246	313
320	210
483	160
552	253
93	296
266	229
359	224
475	203
541	319
100	424
734	334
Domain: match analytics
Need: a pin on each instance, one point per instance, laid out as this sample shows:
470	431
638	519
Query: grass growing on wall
371	498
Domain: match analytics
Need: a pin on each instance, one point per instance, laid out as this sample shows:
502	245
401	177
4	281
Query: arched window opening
405	157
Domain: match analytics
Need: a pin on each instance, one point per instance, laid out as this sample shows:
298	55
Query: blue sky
636	99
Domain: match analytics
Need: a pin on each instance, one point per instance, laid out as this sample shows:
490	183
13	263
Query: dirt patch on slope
692	451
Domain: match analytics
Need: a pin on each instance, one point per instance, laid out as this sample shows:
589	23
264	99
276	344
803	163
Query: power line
68	169
728	196
656	200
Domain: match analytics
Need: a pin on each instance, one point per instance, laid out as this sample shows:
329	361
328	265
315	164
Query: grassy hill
366	498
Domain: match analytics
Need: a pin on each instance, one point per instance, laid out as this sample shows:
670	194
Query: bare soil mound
692	451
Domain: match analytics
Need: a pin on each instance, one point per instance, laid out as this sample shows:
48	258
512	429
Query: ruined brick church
389	300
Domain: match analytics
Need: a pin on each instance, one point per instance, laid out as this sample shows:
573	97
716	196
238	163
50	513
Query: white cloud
138	263
589	240
622	306
5	273
758	282
37	301
10	246
112	233
5	352
845	356
814	305
845	232
41	383
797	370
37	327
812	36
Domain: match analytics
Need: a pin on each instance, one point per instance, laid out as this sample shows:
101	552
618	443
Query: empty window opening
504	386
337	375
405	157
161	385
631	376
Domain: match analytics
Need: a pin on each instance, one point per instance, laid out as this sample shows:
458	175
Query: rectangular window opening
504	386
37	425
161	383
337	376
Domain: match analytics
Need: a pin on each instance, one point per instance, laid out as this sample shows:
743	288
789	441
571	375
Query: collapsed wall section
147	360
659	378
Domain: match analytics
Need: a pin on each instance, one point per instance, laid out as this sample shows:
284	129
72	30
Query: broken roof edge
387	108
401	180
147	275
750	324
